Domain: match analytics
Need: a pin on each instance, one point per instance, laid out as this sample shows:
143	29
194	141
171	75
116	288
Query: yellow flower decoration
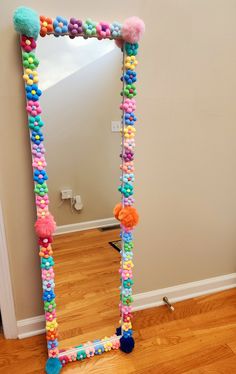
127	326
50	326
107	345
30	77
129	132
127	265
131	62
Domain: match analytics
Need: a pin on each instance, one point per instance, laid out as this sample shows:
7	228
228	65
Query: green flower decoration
30	61
131	49
81	354
41	189
49	306
126	300
35	123
90	27
130	91
128	246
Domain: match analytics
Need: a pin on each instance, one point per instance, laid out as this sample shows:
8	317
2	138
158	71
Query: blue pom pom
53	366
126	344
26	22
118	331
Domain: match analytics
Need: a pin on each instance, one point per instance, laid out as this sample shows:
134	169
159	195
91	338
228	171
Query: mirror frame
30	25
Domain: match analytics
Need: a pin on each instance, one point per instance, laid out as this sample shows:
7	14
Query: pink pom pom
45	227
132	29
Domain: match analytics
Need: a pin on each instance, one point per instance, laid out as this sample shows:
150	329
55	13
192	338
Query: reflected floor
87	286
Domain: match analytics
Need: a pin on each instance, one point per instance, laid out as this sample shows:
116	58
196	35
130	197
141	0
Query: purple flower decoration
75	27
128	201
127	155
38	150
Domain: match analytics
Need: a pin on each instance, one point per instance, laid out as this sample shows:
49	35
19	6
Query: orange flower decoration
52	335
45	252
45	25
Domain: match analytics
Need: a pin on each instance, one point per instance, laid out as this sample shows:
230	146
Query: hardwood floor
198	338
87	286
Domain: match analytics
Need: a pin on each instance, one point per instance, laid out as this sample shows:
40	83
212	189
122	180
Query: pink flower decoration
33	108
126	274
27	43
48	274
103	30
90	351
43	213
125	309
128	167
42	201
38	150
128	106
115	343
39	163
50	315
129	144
53	352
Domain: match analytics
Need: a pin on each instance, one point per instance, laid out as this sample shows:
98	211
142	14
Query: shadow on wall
82	152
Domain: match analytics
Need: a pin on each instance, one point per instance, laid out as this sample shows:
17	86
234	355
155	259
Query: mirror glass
80	81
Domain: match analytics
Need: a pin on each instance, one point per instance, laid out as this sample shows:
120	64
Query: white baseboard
184	291
80	226
36	325
31	326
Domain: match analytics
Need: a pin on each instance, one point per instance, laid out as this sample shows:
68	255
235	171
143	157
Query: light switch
115	126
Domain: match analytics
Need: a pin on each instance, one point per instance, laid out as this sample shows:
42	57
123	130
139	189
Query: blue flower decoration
60	25
52	344
115	29
126	236
130	76
40	176
47	263
37	137
48	295
130	119
127	334
33	92
98	346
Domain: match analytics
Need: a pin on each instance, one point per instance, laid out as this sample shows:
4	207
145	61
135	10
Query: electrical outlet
115	126
66	194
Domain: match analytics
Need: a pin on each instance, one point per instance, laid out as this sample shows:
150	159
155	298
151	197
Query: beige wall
185	164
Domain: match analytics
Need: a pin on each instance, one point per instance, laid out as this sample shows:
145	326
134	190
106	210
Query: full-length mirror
80	83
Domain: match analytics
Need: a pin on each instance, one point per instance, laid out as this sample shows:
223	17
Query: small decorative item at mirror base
30	25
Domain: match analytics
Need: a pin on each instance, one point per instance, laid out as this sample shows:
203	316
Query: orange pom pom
128	217
116	210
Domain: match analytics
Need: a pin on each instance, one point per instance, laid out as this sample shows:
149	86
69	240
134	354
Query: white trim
36	325
6	294
31	326
184	291
80	226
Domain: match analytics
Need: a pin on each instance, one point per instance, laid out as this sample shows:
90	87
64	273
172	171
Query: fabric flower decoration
52	344
130	91
44	242
38	150
107	344
42	213
129	132
37	137
129	144
72	356
127	178
27	43
128	265
45	252
126	326
81	354
52	353
128	246
128	167
90	351
45	25
99	348
60	25
115	343
40	176
41	189
51	325
89	27
131	62
127	300
128	283
30	77
130	76
129	105
48	295
46	263
42	202
33	108
126	274
39	164
29	60
127	155
129	201
103	30
130	119
115	29
48	285
35	123
33	92
48	274
48	307
131	49
75	27
127	189
64	360
126	237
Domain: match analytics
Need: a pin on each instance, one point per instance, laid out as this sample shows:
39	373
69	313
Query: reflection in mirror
80	83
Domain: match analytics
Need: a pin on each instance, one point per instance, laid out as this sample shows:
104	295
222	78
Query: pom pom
116	210
119	43
132	29
26	22
45	227
118	331
127	344
53	366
